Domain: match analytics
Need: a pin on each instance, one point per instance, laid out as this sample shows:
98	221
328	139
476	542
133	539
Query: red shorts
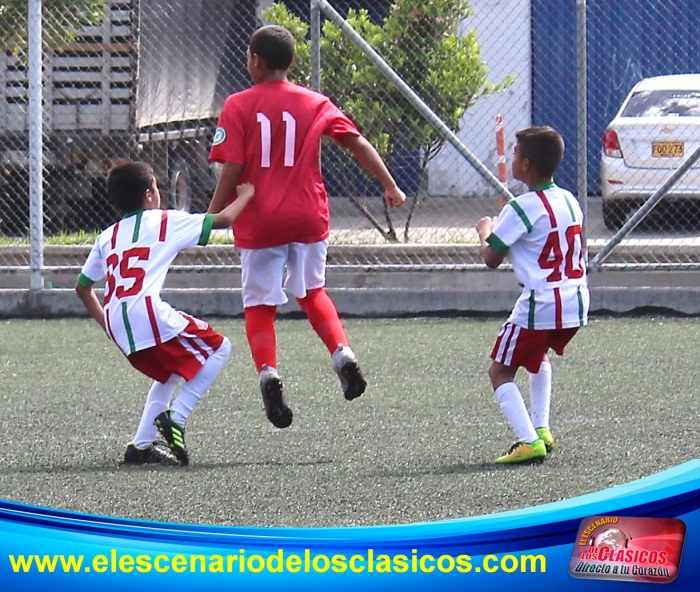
183	355
516	346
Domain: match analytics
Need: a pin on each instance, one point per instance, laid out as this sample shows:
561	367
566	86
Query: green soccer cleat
545	435
152	454
522	452
174	436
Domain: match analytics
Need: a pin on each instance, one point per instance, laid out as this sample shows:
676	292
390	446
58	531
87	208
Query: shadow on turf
110	466
458	469
455	469
58	469
195	466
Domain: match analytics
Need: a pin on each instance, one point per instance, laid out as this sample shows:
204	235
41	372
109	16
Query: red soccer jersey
274	130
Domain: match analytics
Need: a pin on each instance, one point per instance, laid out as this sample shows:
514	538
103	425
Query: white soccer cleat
348	370
276	408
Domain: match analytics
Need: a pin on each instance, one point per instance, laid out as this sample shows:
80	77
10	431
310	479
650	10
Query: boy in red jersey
169	346
269	135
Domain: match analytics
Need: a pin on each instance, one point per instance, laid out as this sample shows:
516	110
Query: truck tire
180	190
14	205
614	215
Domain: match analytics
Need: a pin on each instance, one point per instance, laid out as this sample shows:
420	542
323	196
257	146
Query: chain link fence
146	79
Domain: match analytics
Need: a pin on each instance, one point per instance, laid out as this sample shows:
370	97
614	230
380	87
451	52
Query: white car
655	130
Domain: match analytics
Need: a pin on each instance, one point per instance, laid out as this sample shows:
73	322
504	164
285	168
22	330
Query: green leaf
62	19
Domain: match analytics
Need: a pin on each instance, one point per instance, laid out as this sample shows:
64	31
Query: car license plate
667	149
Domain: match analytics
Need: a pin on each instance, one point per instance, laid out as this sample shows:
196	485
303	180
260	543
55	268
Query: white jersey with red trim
134	256
541	230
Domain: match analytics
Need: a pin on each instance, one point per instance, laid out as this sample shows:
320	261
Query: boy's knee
494	372
311	295
225	348
500	374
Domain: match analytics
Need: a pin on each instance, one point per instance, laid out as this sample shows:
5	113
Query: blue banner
553	545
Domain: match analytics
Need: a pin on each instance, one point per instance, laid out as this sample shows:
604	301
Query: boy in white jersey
134	256
542	232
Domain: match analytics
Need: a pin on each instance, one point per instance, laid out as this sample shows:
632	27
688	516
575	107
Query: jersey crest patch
219	136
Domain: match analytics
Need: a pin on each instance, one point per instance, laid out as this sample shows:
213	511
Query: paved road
454	218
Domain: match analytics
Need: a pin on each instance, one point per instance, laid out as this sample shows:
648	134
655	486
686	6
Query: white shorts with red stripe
183	355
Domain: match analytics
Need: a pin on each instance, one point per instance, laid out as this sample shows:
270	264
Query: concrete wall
390	294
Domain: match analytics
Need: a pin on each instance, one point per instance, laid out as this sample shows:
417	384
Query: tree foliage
61	20
422	41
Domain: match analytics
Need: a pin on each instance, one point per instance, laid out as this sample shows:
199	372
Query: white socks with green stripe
513	407
158	400
196	388
541	395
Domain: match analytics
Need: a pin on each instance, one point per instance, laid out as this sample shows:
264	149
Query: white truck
147	83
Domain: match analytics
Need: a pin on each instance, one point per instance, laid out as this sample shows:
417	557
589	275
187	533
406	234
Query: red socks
260	330
324	318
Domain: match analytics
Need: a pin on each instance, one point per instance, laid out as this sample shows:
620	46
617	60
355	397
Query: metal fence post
582	117
315	47
36	159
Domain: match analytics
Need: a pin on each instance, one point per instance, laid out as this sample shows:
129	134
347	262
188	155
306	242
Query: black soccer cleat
153	454
276	409
348	370
174	436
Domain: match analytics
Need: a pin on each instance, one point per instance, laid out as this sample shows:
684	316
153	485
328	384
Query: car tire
180	190
614	215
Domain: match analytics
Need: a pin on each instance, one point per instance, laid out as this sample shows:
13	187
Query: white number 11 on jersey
266	138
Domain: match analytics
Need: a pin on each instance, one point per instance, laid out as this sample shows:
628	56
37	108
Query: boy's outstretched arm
92	304
225	186
226	217
483	229
368	157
